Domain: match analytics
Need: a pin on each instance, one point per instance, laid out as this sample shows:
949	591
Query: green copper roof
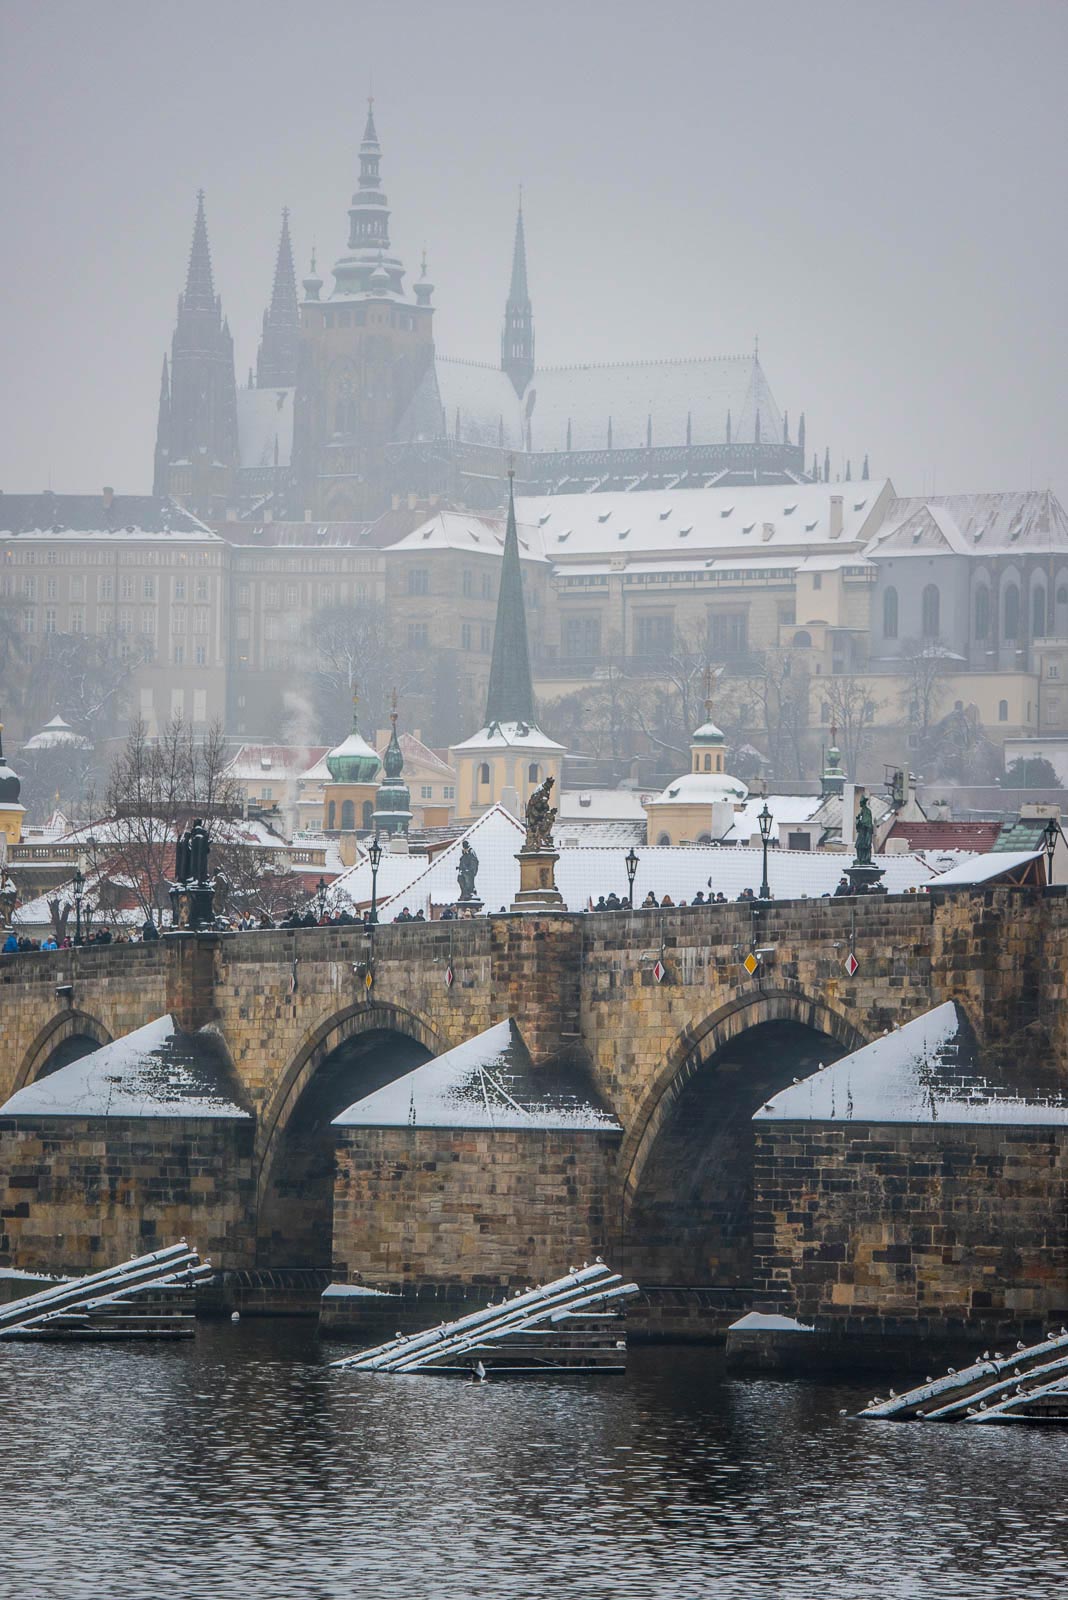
353	761
393	808
510	697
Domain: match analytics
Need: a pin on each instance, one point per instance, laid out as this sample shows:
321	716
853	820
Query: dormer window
748	527
727	511
665	514
603	516
544	519
789	510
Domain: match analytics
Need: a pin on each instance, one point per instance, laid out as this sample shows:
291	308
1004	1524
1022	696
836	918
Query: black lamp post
374	856
1052	833
630	861
320	897
766	820
79	891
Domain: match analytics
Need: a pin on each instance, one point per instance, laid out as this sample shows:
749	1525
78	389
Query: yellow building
350	796
11	812
700	805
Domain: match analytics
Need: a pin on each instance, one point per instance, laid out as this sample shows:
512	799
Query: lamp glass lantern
630	861
374	856
766	821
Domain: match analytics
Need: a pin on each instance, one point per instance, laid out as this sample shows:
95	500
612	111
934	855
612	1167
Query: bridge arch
350	1054
686	1165
63	1039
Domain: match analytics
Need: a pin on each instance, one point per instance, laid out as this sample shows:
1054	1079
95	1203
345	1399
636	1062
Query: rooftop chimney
836	516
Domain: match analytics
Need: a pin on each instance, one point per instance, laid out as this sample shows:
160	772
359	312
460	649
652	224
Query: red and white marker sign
851	963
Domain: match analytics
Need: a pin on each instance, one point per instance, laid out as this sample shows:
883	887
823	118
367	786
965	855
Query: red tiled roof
947	835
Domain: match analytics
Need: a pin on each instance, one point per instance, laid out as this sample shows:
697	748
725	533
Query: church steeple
163	434
369	244
517	338
510	696
276	364
196	442
393	810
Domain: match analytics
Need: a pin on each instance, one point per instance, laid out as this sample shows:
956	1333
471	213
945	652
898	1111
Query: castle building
351	410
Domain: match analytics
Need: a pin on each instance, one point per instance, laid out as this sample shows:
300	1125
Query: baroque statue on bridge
865	832
540	818
466	869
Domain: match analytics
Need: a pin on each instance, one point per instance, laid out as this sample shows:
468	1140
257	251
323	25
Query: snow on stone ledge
768	1322
488	1082
922	1073
156	1071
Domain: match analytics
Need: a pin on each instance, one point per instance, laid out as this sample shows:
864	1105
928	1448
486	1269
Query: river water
240	1464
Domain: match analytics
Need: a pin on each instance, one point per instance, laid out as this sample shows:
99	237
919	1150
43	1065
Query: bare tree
925	667
353	646
853	709
782	692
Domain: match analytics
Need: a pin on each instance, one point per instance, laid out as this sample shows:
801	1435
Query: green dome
708	733
353	761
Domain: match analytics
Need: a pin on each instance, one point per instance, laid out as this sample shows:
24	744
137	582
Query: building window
1038	612
125	623
105	588
1053	671
654	634
468	582
178	589
533	773
148	589
817	580
201	655
201	592
727	632
418	580
148	620
417	636
77	587
485	639
487	586
126	588
803	640
890	614
798	841
581	636
982	612
50	589
930	607
348	815
484	772
1003	711
330	815
465	636
50	620
449	792
368	814
77	619
178	655
426	792
1011	624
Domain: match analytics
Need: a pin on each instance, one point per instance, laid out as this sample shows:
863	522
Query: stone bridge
682	1042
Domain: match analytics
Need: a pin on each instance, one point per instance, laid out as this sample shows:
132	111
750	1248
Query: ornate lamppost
374	856
766	821
1049	844
630	861
79	895
320	898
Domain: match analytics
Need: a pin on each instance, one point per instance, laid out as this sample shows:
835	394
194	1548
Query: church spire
510	697
163	433
517	338
369	245
199	285
276	364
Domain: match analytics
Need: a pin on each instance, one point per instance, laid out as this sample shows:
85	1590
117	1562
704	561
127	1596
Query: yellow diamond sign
751	963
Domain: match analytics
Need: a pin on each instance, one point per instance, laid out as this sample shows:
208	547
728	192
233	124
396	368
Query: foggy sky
877	190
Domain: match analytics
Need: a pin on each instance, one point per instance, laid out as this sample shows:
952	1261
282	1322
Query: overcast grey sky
877	190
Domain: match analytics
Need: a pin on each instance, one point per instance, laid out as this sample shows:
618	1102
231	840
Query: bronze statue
181	858
540	818
466	868
199	846
865	833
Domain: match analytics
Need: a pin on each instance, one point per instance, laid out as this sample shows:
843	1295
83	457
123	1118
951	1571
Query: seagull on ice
479	1373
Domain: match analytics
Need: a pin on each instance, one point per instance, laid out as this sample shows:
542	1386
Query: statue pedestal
193	905
468	903
864	877
537	882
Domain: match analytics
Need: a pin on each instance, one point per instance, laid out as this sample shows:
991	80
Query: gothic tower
362	355
196	443
276	364
517	337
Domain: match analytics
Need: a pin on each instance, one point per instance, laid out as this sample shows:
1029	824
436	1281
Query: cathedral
350	410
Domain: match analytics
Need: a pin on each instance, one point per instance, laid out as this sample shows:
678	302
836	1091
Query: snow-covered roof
55	735
156	1071
923	1072
487	1082
672	397
602	805
395	873
418	754
786	809
1005	524
759	523
984	868
264	419
619	834
469	532
261	762
477	402
318	773
702	788
524	736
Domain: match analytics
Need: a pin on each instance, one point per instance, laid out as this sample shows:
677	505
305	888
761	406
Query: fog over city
874	191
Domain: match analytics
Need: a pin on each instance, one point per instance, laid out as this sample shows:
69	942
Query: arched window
803	640
348	814
663	839
1011	624
890	613
708	763
533	773
931	607
368	814
1038	612
1062	596
1003	711
330	813
982	612
483	772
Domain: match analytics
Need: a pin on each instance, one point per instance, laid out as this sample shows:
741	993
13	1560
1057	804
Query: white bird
843	1412
235	1316
893	1394
1020	1345
986	1355
951	1369
481	1371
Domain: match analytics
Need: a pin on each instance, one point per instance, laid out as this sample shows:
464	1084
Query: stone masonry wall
485	1206
922	1228
80	1194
